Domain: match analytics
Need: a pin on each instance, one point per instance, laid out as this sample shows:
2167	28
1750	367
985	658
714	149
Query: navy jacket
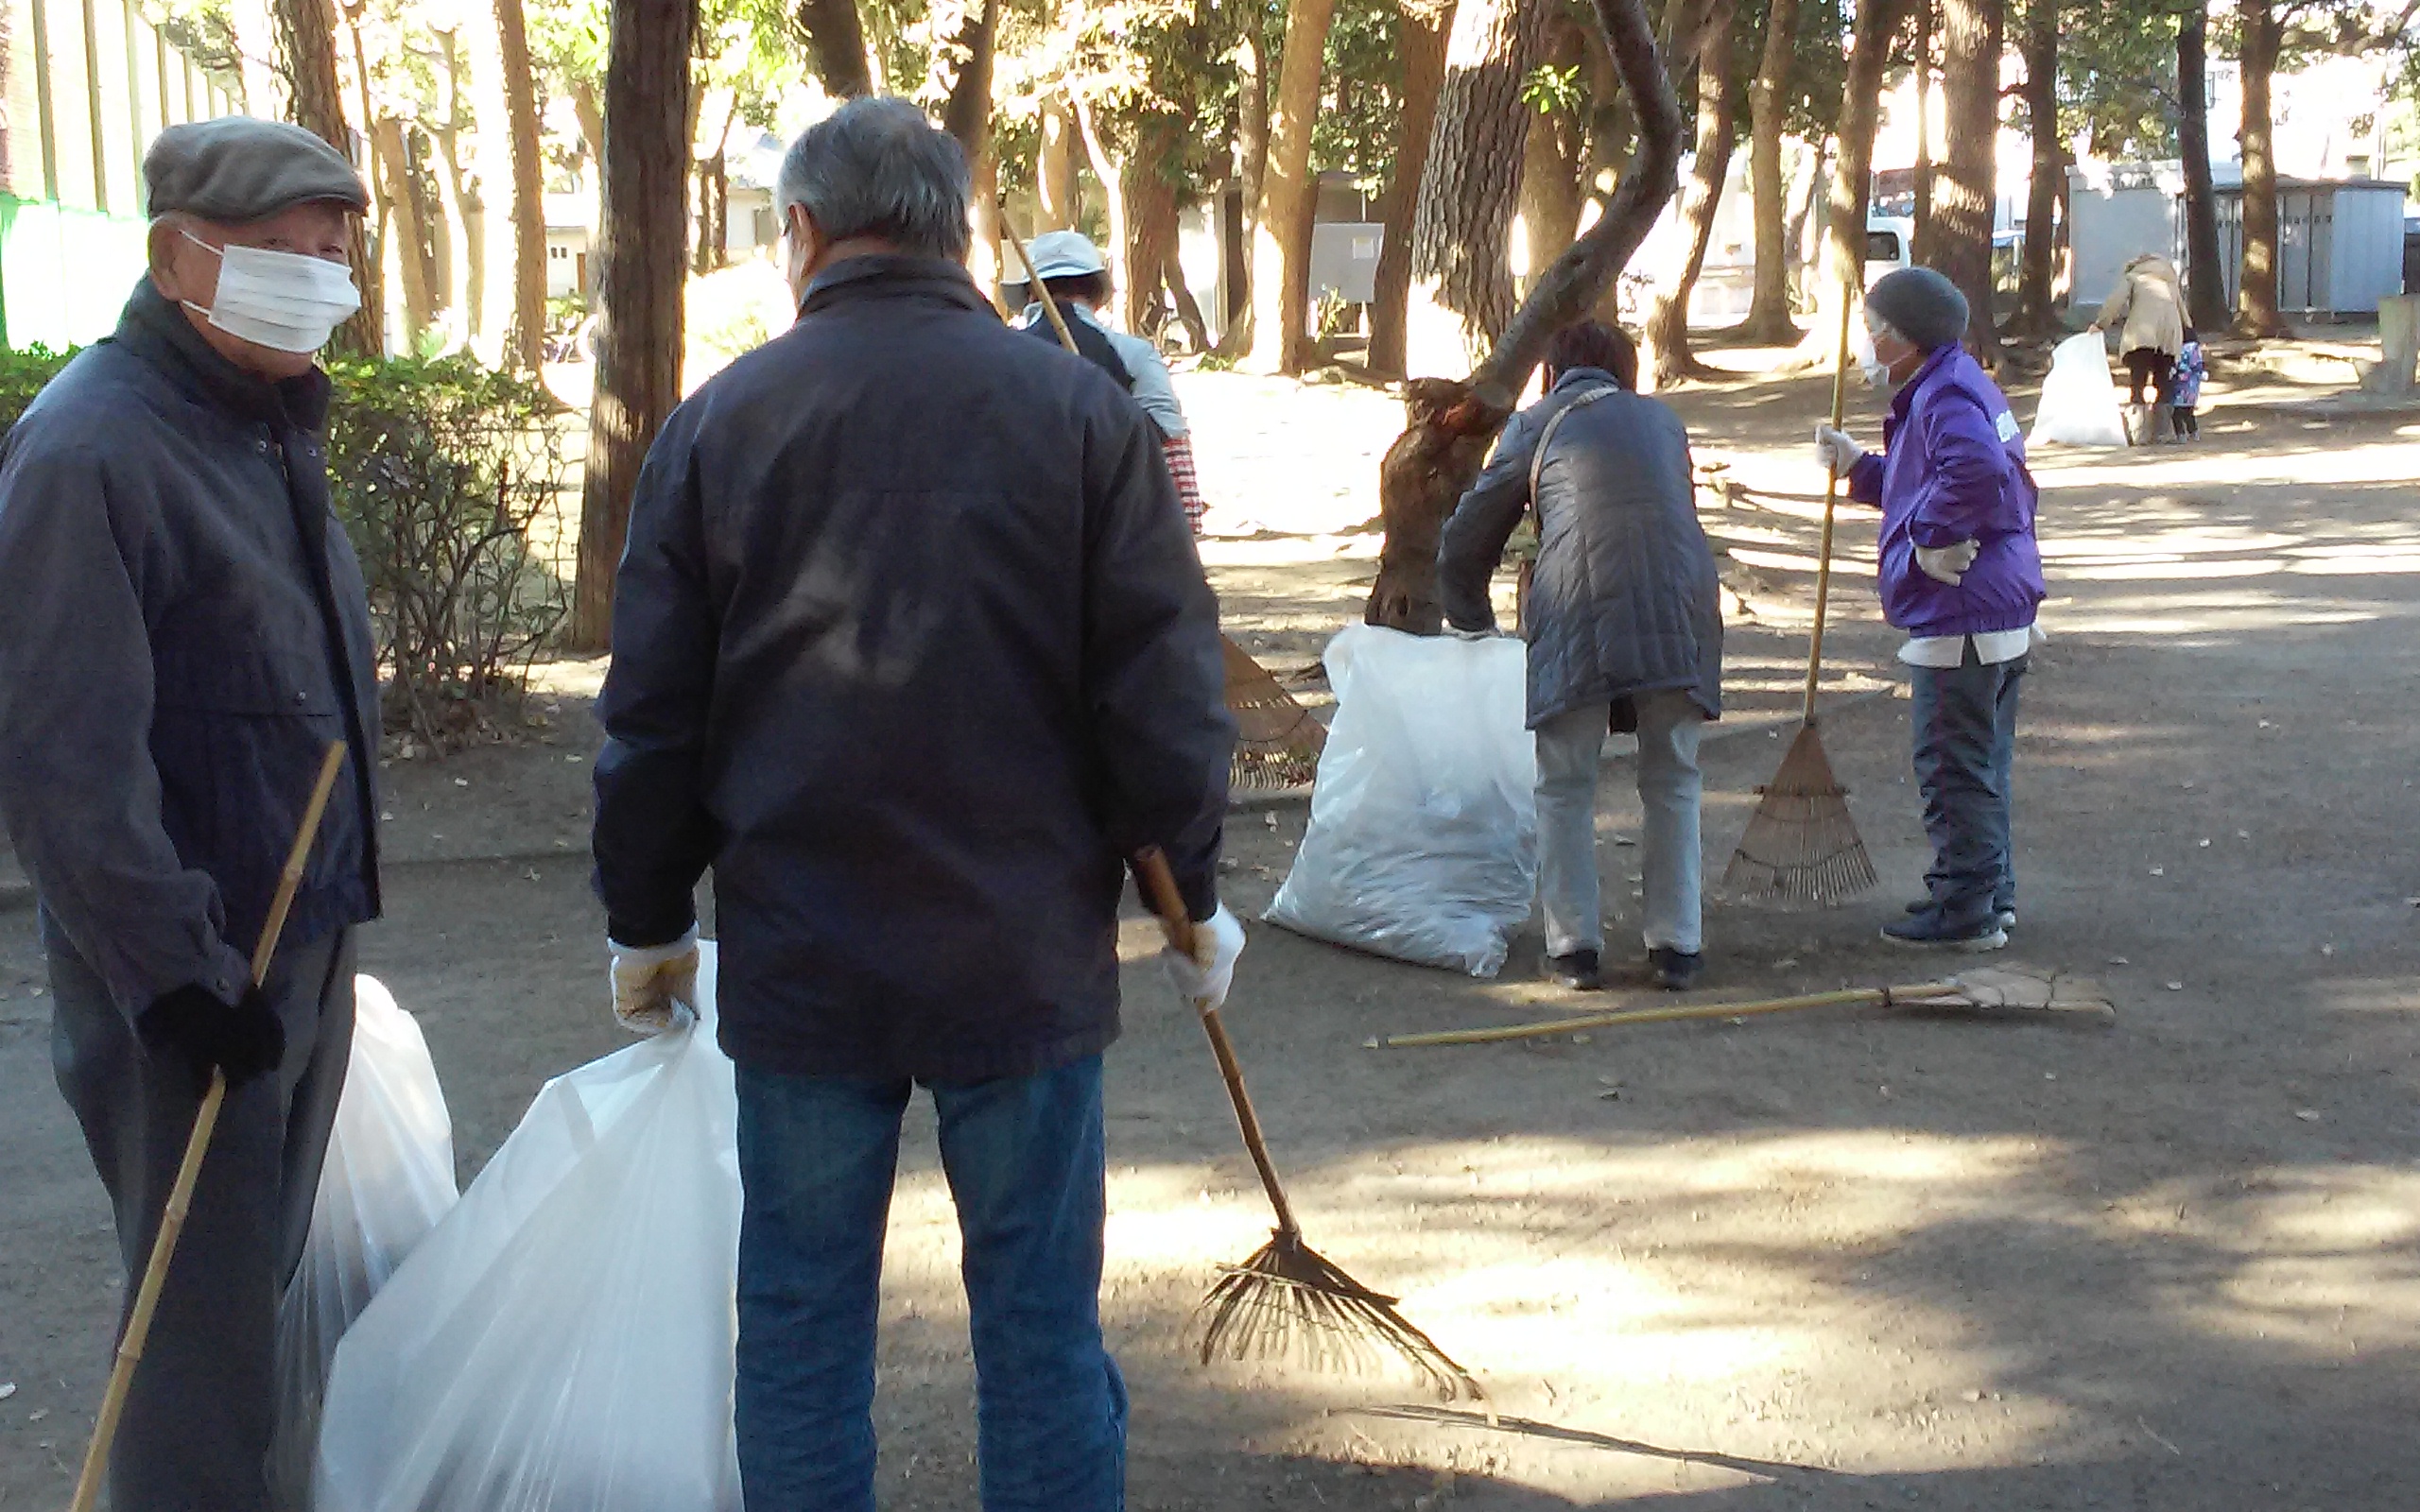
912	647
1624	598
182	633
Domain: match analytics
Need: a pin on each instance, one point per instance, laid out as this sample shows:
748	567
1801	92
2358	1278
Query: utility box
2399	338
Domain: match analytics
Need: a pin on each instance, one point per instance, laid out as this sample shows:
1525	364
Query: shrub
444	474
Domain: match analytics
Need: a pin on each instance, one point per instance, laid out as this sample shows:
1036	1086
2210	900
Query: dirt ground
1842	1260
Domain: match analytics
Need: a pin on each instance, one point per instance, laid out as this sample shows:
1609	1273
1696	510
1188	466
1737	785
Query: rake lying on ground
1288	1298
1277	741
1801	847
1996	990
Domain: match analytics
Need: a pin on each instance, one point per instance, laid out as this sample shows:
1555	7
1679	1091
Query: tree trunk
1150	216
1920	246
1970	82
525	348
591	115
2206	276
1112	175
492	164
2257	313
1667	358
1461	281
967	113
1422	46
1453	422
835	46
1189	309
2040	317
307	37
1852	179
1252	177
390	154
464	218
1769	314
1554	148
983	262
641	236
1281	256
1055	175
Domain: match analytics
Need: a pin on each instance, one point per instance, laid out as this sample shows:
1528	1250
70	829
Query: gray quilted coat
1624	597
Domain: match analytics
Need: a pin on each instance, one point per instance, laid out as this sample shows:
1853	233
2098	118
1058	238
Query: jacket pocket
257	679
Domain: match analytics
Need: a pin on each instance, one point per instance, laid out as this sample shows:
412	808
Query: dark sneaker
1579	972
1674	970
1929	931
2006	915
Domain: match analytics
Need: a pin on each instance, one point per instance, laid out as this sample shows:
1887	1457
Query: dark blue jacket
912	647
1624	598
183	631
1952	468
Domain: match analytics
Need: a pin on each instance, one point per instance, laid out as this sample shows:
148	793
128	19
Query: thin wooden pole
1921	992
1831	498
206	1123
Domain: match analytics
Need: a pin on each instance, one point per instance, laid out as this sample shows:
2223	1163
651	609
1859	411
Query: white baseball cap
1065	254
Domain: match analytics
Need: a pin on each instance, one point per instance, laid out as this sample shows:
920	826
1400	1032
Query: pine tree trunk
983	260
1462	279
2257	313
1452	423
1919	249
1769	314
1843	273
1550	162
1970	83
2039	317
835	46
1055	171
1422	46
1251	169
1667	358
306	33
1112	174
464	269
1281	257
967	113
391	155
1150	216
526	347
1189	309
2206	278
492	162
641	237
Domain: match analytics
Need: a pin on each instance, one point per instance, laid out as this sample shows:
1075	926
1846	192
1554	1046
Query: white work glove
655	990
1203	977
1836	450
1947	564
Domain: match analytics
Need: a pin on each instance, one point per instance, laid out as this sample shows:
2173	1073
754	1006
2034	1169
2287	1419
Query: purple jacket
1952	468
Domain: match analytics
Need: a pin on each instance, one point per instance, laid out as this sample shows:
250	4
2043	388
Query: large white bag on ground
1423	836
562	1342
2078	398
387	1181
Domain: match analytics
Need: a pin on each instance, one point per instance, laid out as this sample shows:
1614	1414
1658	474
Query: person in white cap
1077	275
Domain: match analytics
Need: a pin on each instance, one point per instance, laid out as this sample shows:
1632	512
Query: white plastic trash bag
1423	836
387	1181
562	1342
2078	398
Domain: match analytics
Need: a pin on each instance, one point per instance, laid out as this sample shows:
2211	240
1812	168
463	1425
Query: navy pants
1965	719
1025	1159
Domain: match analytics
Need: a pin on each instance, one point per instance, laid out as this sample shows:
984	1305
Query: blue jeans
1964	720
1025	1161
1571	752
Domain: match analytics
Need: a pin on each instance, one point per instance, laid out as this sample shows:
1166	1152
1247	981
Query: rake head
1289	1301
1800	848
1277	741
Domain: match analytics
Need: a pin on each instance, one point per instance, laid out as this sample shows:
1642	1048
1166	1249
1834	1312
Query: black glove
245	1042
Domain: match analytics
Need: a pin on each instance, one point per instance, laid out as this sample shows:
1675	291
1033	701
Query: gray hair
877	167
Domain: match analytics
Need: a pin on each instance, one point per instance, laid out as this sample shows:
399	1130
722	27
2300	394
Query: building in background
85	85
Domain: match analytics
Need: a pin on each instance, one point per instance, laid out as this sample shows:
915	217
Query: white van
1890	245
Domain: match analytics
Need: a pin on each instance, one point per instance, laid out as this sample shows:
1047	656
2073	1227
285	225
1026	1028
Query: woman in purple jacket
1961	575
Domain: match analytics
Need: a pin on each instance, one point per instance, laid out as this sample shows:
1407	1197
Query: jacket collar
892	276
1579	378
158	332
1944	358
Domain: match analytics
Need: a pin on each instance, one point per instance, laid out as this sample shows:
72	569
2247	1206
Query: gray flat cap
237	169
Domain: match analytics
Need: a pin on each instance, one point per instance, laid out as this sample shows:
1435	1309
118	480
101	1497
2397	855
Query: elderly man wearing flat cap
182	634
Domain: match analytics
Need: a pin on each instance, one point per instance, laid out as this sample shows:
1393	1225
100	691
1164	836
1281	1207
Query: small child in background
2185	386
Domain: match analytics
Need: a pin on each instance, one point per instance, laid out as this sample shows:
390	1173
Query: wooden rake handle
205	1124
1919	993
1176	922
1831	499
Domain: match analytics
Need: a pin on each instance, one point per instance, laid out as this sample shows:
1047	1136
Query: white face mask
1877	372
281	301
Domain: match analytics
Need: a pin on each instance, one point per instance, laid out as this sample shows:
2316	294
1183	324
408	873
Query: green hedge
443	473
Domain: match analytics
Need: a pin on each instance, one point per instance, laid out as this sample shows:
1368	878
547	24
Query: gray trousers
1570	752
198	1421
